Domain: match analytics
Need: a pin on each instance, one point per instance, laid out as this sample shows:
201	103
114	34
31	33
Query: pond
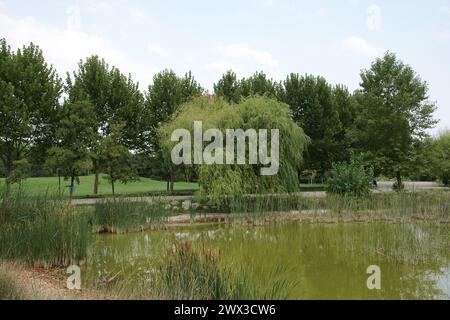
315	261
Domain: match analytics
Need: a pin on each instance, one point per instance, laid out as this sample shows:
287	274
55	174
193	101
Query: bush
352	178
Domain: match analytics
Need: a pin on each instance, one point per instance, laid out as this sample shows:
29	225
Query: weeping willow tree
222	182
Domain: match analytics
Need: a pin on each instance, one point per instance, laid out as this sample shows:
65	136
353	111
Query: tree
116	158
164	98
228	87
234	90
441	157
258	84
115	98
345	106
71	156
313	109
393	114
235	180
29	100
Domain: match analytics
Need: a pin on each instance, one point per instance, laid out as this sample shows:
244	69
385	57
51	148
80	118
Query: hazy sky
335	39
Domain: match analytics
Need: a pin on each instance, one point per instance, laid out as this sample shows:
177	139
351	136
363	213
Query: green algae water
314	261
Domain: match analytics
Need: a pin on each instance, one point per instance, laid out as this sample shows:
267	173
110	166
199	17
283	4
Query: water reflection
325	261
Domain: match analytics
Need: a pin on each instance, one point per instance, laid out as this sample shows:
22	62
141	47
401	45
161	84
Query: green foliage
42	230
116	158
115	99
72	154
234	90
441	157
190	273
29	94
313	109
218	181
164	98
393	113
124	215
258	84
228	87
352	178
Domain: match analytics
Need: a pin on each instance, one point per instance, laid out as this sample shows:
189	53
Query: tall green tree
258	84
441	157
115	98
29	100
234	90
313	109
72	154
228	87
163	99
394	113
116	158
345	105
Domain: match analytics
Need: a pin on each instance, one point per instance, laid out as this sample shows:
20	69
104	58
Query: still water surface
319	261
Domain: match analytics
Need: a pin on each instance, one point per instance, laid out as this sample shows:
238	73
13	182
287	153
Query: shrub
352	178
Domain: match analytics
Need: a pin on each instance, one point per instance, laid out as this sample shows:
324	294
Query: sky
334	39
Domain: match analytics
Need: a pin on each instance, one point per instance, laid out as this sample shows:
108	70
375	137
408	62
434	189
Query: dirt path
43	284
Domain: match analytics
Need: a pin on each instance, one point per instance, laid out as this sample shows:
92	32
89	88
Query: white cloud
156	49
361	46
220	66
373	21
65	47
238	51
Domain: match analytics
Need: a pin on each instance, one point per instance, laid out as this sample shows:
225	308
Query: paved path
412	185
383	186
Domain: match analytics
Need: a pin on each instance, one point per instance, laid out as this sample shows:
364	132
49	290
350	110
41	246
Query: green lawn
86	186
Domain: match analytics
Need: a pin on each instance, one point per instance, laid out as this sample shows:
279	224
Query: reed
42	230
122	215
192	273
426	205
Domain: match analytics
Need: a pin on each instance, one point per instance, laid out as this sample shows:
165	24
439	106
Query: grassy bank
144	186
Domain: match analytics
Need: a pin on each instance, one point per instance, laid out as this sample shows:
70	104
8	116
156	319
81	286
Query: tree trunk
399	181
112	185
97	175
171	182
113	190
168	182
